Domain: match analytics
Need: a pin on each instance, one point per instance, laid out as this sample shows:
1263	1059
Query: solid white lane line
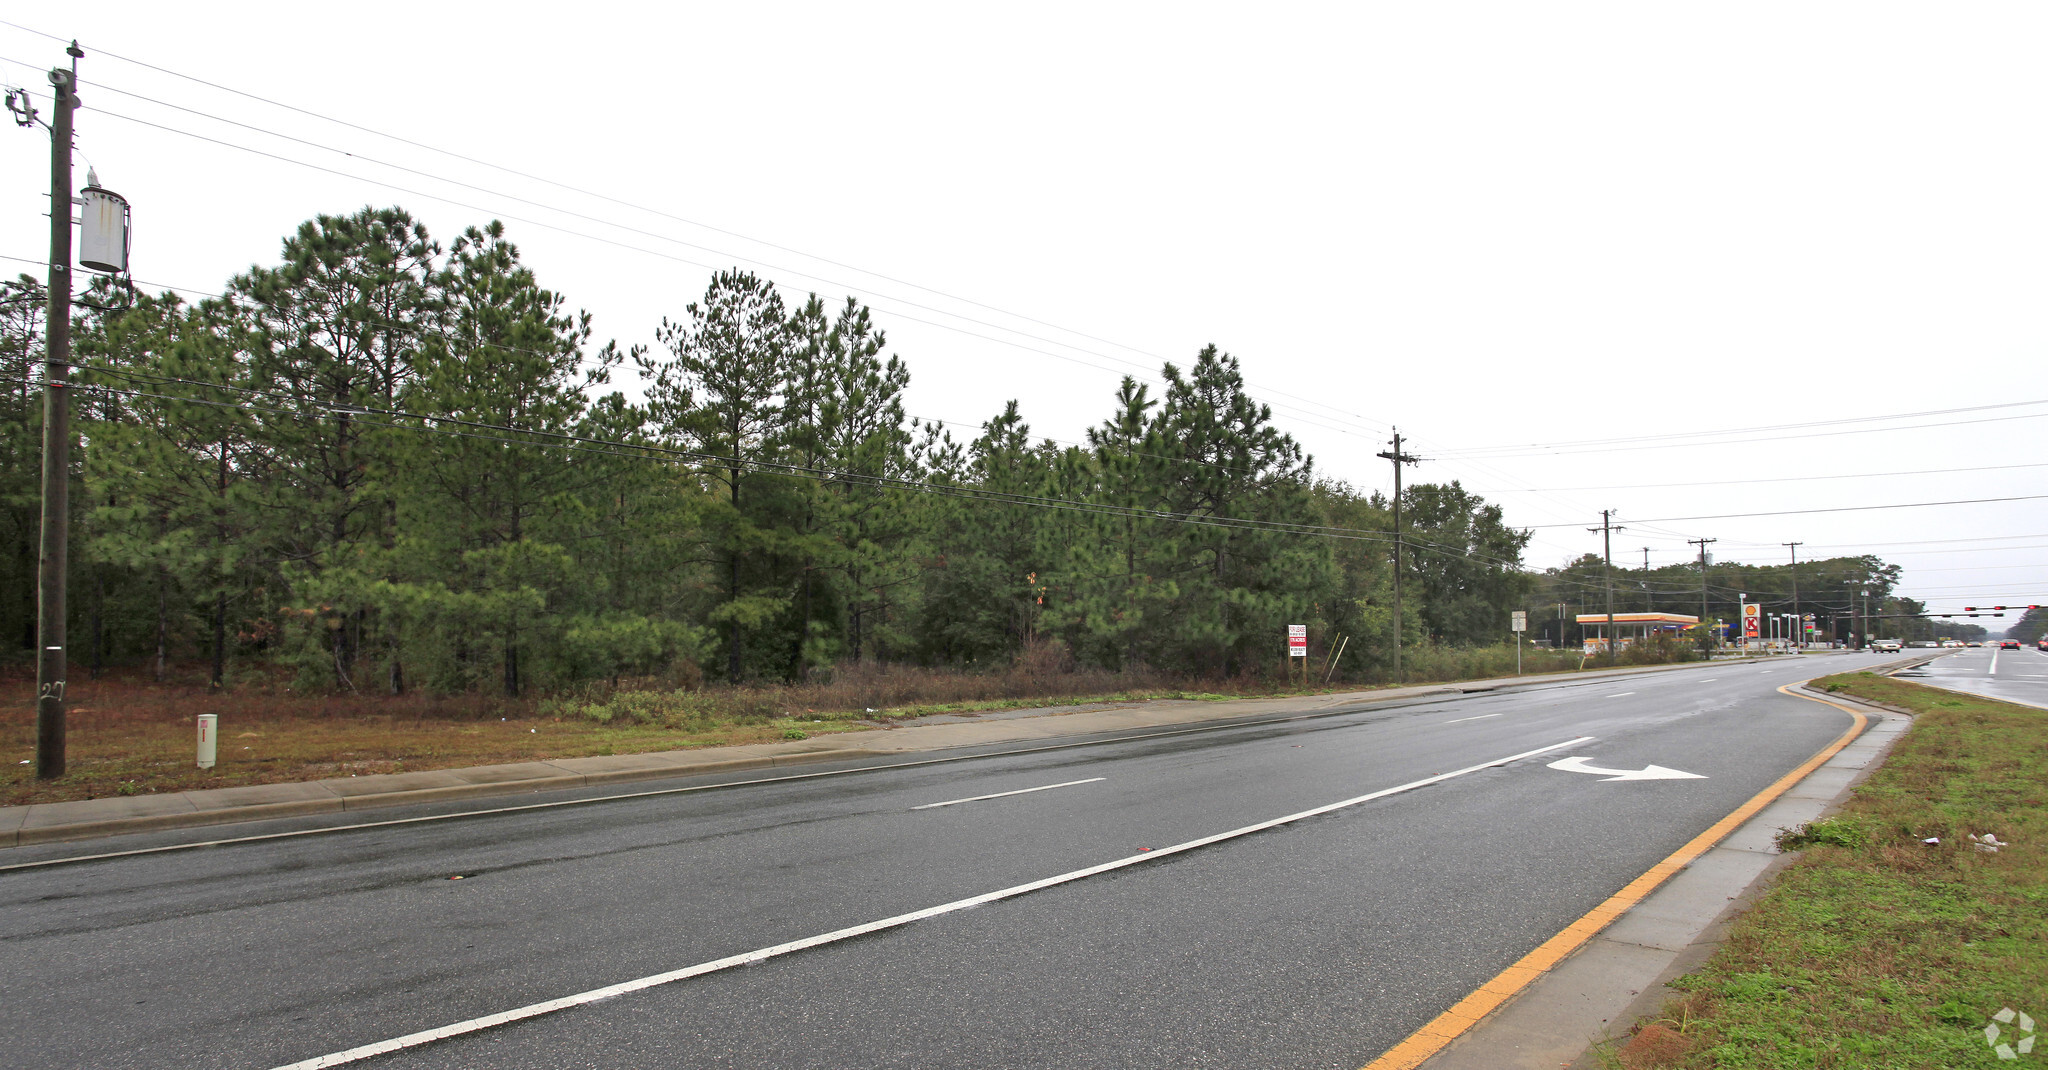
1621	694
1993	670
1002	794
534	1010
1481	717
1709	679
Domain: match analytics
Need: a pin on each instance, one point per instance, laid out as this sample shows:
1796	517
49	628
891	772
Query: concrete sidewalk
50	822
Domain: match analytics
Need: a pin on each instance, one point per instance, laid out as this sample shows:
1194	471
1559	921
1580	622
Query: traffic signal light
1969	609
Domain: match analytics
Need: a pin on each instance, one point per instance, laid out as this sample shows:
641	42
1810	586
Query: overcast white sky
1491	224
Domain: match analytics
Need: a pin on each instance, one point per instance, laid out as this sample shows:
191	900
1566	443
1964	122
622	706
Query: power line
1918	542
1622	441
613	200
1841	509
885	301
422	329
1796	479
1312	419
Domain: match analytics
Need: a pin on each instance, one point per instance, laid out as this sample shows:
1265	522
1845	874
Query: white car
1885	646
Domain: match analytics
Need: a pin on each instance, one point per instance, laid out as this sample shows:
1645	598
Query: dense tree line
388	464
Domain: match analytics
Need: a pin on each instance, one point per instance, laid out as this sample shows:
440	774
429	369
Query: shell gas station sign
1752	617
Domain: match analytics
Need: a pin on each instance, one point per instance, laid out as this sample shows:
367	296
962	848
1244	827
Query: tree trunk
163	628
99	640
511	667
220	639
220	594
732	587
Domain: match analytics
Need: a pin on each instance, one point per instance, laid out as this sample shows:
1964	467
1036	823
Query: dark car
2009	644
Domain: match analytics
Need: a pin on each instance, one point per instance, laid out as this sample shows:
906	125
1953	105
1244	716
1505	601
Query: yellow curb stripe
1505	985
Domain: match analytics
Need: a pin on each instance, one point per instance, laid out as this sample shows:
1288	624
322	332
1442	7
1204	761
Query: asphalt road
1315	943
2010	675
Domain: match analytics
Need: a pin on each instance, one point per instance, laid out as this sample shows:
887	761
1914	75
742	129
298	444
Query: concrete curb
37	823
21	826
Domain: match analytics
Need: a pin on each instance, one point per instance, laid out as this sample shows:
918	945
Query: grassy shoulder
1894	939
129	735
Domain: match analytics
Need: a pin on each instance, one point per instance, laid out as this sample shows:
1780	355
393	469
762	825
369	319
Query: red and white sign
1752	616
1297	640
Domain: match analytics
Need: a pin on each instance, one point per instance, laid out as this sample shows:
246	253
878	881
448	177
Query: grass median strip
1896	940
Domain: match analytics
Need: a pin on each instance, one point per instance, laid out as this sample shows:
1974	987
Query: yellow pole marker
1509	983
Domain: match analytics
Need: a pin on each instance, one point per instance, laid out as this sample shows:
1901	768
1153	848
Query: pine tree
486	513
1238	587
722	393
333	336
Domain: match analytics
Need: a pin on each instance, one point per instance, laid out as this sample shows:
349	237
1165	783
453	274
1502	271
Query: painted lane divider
595	995
1578	764
1006	794
1481	717
1621	694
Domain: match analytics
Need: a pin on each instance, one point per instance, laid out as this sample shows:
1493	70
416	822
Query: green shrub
1829	831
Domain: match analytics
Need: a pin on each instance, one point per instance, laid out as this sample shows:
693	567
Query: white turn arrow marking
1648	772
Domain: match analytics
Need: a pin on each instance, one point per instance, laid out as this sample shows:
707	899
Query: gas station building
1632	628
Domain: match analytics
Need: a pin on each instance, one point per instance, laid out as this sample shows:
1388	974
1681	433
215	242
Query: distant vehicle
1973	642
1885	646
1927	644
2009	644
1953	642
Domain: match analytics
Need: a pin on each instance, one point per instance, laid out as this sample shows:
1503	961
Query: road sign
1752	619
1518	620
1297	640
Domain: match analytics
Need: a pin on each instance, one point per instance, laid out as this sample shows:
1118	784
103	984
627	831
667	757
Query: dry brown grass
128	735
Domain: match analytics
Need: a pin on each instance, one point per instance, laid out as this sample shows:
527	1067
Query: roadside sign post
1752	622
1297	647
1518	621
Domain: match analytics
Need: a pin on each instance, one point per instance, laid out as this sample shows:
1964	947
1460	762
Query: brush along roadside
132	736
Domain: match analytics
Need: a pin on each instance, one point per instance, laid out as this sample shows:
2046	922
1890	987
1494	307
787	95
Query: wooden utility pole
1399	459
1607	529
1798	621
56	529
1702	544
